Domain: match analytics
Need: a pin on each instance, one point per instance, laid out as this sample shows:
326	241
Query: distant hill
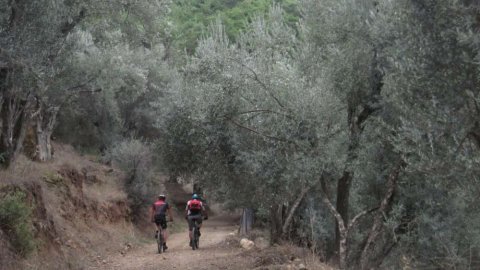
191	17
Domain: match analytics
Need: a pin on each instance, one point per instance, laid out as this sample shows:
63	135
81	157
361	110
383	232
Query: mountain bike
196	236
160	240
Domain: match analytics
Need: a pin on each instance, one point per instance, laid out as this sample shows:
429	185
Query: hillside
79	211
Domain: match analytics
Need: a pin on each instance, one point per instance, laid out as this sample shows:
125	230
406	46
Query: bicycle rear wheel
160	242
194	246
193	242
196	237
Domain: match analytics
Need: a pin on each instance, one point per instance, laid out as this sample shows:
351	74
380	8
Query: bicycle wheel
197	239
160	242
194	236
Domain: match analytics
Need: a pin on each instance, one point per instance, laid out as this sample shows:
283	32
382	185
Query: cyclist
157	215
194	211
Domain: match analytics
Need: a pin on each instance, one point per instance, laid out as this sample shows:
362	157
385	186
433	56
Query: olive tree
432	88
55	51
260	125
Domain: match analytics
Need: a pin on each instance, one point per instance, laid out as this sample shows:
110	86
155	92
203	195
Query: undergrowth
15	220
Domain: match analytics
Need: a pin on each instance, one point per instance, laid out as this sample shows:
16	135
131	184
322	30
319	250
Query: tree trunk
275	223
44	146
343	227
359	111
378	219
44	124
343	195
15	117
292	211
343	233
246	221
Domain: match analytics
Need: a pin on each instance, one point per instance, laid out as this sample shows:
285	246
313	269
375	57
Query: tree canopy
351	127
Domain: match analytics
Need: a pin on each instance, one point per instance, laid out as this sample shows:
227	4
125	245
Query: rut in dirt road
213	253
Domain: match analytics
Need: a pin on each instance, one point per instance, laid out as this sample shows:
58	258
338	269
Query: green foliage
15	221
250	118
191	18
271	97
432	87
368	83
92	63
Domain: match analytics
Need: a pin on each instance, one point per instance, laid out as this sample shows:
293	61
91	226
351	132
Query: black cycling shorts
161	220
191	219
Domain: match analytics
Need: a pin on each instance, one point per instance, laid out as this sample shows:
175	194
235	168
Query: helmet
161	196
195	196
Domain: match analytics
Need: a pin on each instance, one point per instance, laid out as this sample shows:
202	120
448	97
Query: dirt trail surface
214	253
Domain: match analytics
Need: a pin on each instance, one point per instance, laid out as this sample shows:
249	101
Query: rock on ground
247	244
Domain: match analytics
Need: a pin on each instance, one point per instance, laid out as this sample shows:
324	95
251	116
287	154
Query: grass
53	178
177	226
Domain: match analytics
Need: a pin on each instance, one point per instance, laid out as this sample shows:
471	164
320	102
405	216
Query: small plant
53	178
15	217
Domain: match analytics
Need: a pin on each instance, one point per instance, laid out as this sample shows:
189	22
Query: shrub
135	158
15	217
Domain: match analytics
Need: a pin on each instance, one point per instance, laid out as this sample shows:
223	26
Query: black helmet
161	196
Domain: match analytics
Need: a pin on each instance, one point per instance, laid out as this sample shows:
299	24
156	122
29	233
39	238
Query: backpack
195	206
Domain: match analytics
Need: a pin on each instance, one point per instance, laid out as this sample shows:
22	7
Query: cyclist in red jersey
157	215
194	212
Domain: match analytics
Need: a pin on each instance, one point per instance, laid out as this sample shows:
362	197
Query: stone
247	244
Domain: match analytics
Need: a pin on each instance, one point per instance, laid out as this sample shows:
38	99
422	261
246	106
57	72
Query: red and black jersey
160	207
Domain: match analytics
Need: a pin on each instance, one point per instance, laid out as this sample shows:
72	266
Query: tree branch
355	219
255	131
294	207
264	86
72	93
265	111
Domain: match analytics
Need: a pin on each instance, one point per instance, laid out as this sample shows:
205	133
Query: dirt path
213	252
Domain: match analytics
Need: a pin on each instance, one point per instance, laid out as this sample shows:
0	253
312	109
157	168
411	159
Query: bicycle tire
160	242
194	234
196	237
194	246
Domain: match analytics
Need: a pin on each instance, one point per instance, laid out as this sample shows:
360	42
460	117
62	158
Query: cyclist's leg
157	225
163	225
199	222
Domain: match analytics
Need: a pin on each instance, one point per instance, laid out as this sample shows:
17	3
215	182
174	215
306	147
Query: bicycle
160	240
196	236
